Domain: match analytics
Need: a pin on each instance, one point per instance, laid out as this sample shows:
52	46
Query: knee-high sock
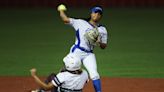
97	85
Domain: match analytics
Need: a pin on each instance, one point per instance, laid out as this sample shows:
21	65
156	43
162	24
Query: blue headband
97	9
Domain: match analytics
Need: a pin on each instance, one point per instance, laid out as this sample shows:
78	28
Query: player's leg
90	64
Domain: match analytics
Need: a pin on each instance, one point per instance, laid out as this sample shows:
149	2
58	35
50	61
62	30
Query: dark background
33	35
80	3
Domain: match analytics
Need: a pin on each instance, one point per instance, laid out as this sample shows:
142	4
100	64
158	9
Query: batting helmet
72	62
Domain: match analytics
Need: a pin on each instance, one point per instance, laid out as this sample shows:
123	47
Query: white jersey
81	27
71	81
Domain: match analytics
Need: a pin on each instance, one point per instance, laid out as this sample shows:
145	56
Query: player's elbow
103	46
48	86
65	20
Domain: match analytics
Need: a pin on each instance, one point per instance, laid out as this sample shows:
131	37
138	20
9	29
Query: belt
81	48
69	90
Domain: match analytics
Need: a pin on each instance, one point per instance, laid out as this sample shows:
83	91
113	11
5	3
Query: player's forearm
42	84
64	17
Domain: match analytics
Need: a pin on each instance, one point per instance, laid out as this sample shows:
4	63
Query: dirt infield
24	84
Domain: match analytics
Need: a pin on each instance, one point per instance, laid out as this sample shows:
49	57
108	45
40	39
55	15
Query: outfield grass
38	38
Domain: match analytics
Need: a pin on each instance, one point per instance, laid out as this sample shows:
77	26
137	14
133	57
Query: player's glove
92	35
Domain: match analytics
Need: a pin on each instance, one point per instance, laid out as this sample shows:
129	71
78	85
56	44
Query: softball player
84	48
71	79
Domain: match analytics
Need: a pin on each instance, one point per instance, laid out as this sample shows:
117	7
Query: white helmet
72	62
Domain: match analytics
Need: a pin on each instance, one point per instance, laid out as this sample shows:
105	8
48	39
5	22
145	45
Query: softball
62	7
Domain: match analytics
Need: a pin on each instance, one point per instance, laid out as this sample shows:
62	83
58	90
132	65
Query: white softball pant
89	62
